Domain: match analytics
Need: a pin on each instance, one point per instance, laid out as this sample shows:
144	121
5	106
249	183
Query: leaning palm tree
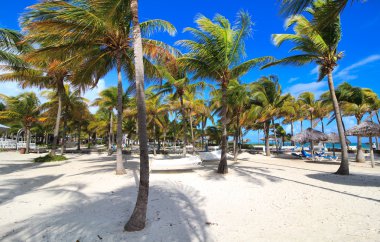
23	109
318	45
216	52
268	101
102	42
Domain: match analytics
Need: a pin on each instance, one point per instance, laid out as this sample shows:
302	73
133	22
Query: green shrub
50	158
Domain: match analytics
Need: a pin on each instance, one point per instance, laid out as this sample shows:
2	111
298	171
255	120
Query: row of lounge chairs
318	156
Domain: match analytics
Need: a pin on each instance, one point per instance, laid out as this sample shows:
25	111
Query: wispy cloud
315	87
348	73
314	70
293	79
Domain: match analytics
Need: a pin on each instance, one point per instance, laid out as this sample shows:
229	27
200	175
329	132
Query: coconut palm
268	99
10	47
321	111
317	44
216	52
103	42
290	113
308	102
177	83
24	109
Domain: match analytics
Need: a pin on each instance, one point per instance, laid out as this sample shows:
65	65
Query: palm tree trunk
137	220
236	137
292	130
301	126
27	144
223	168
371	152
323	126
344	166
183	125
110	136
154	138
58	119
79	130
266	134
63	145
192	131
359	154
119	136
275	135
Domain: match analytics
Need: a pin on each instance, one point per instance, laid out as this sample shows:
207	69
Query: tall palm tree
216	52
10	47
290	113
268	99
321	111
103	42
317	44
138	217
24	109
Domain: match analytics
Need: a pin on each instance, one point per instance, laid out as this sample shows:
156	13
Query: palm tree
138	217
177	83
268	100
216	52
317	44
308	102
104	42
24	109
290	112
360	102
10	47
321	111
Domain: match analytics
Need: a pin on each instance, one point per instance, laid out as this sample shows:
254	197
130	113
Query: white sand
261	199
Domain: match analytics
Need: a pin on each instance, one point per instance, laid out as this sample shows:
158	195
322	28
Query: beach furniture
185	163
212	155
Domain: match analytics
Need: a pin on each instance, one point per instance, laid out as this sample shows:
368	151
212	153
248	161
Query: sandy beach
261	199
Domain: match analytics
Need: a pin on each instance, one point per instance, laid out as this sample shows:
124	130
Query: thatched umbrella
309	136
366	129
334	139
3	127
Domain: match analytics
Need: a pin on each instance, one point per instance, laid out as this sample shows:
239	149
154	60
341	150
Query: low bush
50	158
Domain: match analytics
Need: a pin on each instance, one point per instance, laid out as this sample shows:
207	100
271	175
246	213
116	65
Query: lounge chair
306	155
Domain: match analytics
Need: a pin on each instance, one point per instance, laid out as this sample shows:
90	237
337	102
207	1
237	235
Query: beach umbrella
334	139
309	136
366	129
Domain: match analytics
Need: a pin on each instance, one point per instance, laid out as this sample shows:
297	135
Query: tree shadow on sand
363	180
174	214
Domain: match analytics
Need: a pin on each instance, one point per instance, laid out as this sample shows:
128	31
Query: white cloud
14	89
315	87
293	79
348	73
92	94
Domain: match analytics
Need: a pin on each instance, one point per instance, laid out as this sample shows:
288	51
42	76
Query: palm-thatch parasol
3	127
366	129
334	139
310	136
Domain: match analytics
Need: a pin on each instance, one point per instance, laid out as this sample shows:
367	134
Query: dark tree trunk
292	131
27	144
223	168
79	131
63	145
344	166
138	218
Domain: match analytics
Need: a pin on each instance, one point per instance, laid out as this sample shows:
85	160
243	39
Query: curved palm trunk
137	220
275	135
119	136
223	168
359	154
192	132
344	166
183	126
58	119
266	134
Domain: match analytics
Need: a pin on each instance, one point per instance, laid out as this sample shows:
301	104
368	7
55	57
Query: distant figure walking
374	146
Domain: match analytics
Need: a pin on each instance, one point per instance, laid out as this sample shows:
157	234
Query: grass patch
50	158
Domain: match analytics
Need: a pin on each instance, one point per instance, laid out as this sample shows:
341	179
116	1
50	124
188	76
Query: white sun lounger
212	155
186	163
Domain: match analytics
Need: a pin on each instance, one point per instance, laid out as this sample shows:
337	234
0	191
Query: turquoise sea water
328	145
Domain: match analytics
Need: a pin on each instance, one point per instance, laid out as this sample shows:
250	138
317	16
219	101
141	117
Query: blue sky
360	41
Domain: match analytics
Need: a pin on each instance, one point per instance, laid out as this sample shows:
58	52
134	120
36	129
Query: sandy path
261	199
